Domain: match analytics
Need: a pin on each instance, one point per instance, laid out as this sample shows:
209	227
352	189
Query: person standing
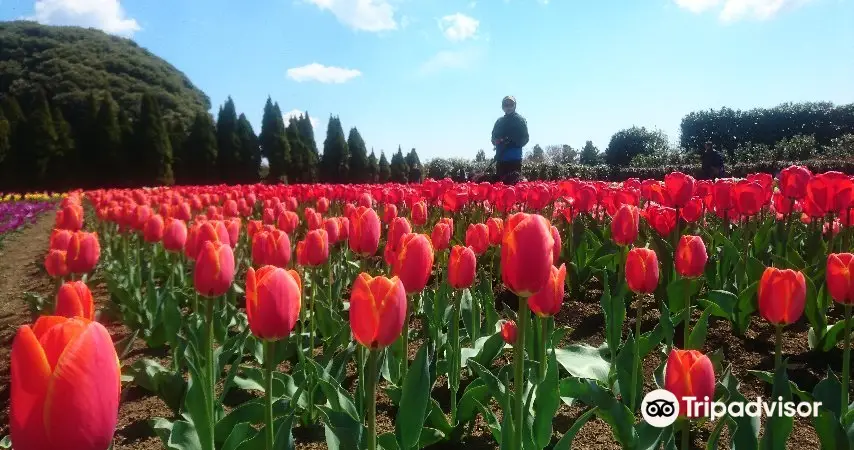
509	135
712	162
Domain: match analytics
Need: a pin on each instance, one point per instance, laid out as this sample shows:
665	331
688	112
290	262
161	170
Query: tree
373	168
634	141
312	158
399	169
107	142
300	157
178	135
537	154
5	149
37	144
11	109
414	165
65	156
561	154
358	157
228	144
589	154
200	150
481	156
385	168
336	155
250	151
152	145
274	143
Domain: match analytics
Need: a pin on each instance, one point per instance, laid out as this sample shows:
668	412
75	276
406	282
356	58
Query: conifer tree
298	169
11	110
228	143
177	138
336	157
385	169
86	136
373	168
399	169
5	150
274	143
358	164
152	144
37	145
200	151
414	165
250	151
589	154
306	132
64	156
107	143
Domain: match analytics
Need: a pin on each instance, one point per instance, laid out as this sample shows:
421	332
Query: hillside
70	62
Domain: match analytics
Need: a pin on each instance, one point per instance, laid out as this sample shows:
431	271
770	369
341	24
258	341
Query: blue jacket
509	135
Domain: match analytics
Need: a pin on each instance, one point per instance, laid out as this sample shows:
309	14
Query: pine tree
306	132
228	143
107	144
399	169
358	157
64	155
298	169
86	136
384	169
414	165
538	155
152	145
200	150
481	156
274	143
177	139
589	155
11	110
336	156
36	146
5	150
250	151
373	168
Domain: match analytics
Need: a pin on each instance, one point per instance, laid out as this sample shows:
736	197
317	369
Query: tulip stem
519	371
311	332
269	363
371	390
846	360
778	346
211	364
686	434
687	319
544	322
454	373
636	356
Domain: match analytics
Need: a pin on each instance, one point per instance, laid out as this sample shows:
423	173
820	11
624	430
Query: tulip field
441	316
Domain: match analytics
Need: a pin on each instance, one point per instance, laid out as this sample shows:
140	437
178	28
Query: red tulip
689	373
74	299
70	217
364	231
316	247
680	188
508	332
389	212
624	225
152	231
414	261
840	270
548	301
557	246
65	385
399	226
377	310
302	258
322	205
441	236
419	213
84	250
233	227
214	270
272	302
462	265
60	238
642	270
271	248
749	197
477	237
661	218
288	221
526	253
793	181
691	256
496	230
55	263
333	229
782	295
175	235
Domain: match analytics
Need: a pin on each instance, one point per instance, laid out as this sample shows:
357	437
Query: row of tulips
379	270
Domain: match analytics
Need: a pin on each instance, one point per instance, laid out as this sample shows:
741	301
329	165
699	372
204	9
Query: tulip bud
419	213
793	181
272	302
316	247
508	331
462	266
70	217
624	225
302	259
233	227
689	373
691	256
54	263
477	237
642	270
74	299
547	301
271	248
840	270
782	295
526	253
84	250
389	212
152	231
377	310
680	188
332	226
414	262
496	230
322	205
364	231
398	227
214	270
175	235
441	236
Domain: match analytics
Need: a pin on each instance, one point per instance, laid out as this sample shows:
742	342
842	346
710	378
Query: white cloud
458	27
451	60
106	15
296	113
734	10
322	74
365	15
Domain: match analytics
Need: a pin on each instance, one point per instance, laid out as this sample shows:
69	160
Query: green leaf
496	387
614	309
698	335
650	437
584	361
429	436
679	290
343	432
827	391
650	340
196	407
715	435
777	426
249	412
476	392
745	429
6	442
466	305
833	335
167	385
284	439
414	400
726	300
565	442
237	436
768	377
608	408
628	361
485	350
546	405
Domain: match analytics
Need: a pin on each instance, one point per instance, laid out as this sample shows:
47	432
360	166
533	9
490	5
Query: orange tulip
214	270
691	256
389	212
414	261
322	205
419	213
70	217
175	235
398	227
477	237
302	259
782	295
84	250
65	385
642	270
496	230
509	331
840	268
624	225
441	236
364	231
547	302
316	247
60	238
333	229
272	302
689	373
288	221
55	264
74	299
233	227
153	229
462	265
526	253
271	248
377	310
557	246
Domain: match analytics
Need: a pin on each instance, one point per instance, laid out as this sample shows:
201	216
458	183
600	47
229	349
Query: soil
21	267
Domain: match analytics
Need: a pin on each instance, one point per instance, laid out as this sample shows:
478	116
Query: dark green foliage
399	169
538	155
71	62
274	143
385	169
177	138
589	155
5	147
481	156
200	152
250	151
36	143
151	146
415	170
628	143
303	159
358	157
373	168
336	156
107	145
65	153
306	132
728	128
228	144
11	109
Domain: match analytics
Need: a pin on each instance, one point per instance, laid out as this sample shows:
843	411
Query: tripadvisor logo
660	408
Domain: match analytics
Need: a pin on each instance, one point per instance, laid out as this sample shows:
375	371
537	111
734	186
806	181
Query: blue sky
430	74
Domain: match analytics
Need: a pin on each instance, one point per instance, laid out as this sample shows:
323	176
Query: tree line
43	147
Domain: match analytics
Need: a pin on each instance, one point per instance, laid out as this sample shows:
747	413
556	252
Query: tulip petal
364	317
30	373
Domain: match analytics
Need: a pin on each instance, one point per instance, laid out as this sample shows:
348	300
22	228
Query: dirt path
21	271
